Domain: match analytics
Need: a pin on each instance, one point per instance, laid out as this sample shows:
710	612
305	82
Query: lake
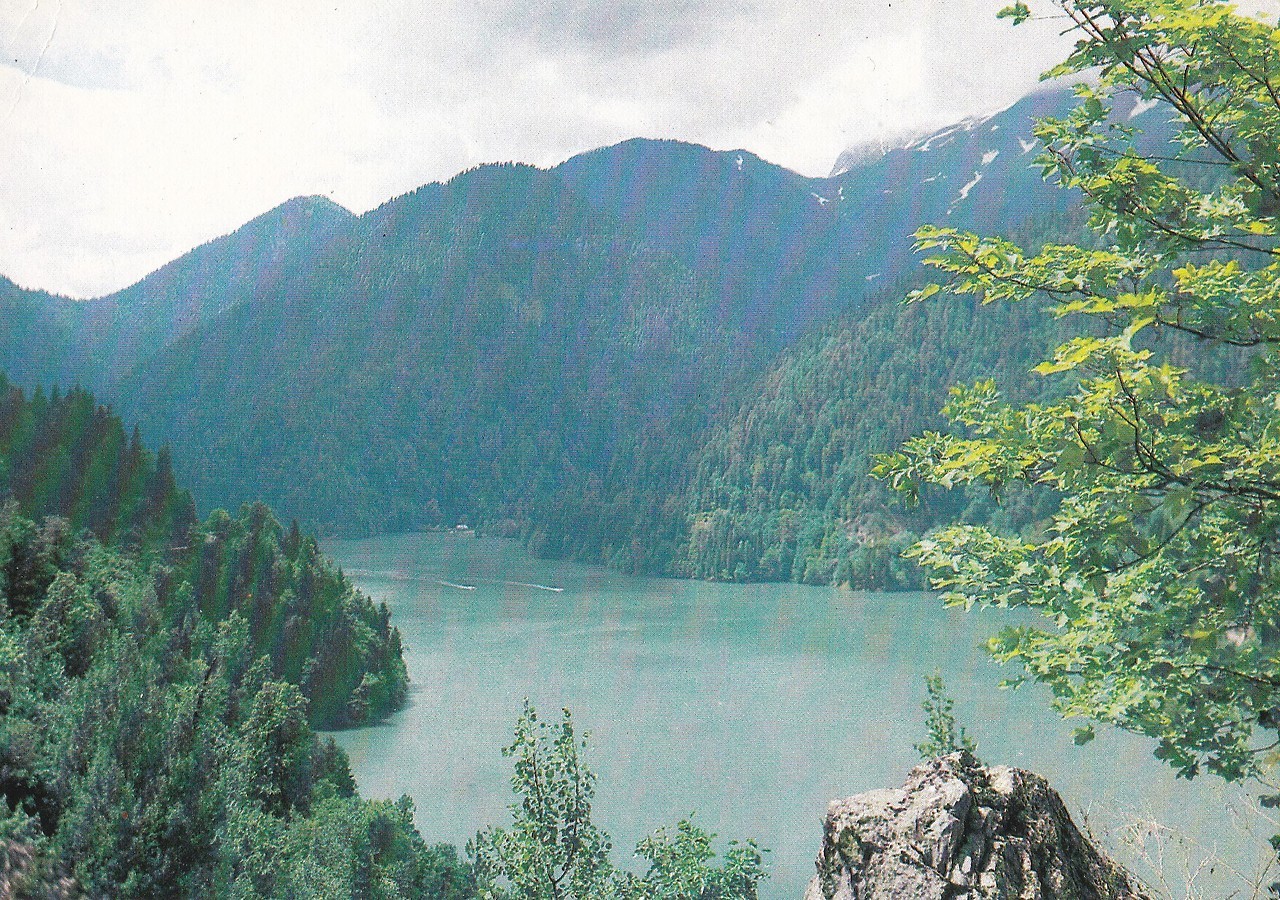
751	705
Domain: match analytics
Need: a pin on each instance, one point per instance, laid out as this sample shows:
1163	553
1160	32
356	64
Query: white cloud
141	129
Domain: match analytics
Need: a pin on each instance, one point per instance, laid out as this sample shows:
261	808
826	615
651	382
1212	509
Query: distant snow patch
1141	106
989	157
740	161
1027	146
873	276
947	135
822	201
964	191
940	138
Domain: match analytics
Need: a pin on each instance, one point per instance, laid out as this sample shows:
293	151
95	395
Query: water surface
753	705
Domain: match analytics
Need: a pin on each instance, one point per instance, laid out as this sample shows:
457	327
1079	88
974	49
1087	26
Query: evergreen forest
570	355
162	680
1029	361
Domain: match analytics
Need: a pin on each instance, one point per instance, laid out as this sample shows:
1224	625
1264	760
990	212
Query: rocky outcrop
25	876
958	830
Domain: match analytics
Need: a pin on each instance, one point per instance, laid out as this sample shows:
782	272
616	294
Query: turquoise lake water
751	705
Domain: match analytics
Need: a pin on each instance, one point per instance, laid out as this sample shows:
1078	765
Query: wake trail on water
530	584
453	584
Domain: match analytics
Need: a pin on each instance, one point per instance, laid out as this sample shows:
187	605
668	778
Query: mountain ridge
542	351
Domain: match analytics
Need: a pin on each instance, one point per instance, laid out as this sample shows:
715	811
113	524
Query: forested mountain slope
557	352
94	343
44	337
159	680
66	461
781	487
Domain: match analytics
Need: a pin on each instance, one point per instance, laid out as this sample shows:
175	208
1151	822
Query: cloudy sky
135	129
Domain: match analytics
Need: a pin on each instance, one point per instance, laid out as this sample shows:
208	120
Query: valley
570	355
593	530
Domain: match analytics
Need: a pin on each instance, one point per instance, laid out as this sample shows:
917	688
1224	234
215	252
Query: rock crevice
958	830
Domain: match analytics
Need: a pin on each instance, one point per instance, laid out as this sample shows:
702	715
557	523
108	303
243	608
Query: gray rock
23	874
958	830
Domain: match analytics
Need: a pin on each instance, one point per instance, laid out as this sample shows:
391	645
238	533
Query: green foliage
353	848
68	457
680	867
1158	577
146	751
319	632
781	490
553	851
157	695
943	735
1018	12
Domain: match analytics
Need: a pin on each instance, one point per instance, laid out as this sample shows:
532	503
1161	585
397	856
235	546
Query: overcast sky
133	131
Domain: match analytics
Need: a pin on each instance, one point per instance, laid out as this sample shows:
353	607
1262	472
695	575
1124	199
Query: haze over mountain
565	353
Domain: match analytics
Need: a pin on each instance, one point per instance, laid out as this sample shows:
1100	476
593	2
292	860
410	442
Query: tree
680	869
279	749
1158	574
553	851
943	736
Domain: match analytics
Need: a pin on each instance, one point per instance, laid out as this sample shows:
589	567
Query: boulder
958	830
23	874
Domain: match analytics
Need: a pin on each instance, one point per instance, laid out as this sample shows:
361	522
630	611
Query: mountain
162	678
96	342
213	278
68	465
550	352
42	335
780	489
